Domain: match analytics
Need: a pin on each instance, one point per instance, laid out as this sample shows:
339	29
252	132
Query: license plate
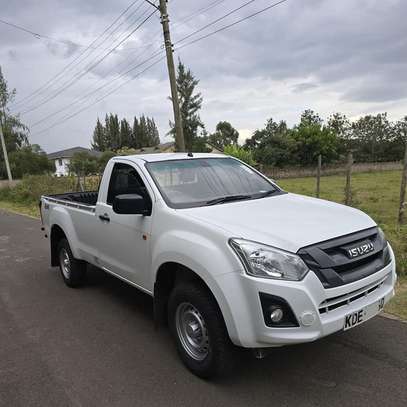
358	317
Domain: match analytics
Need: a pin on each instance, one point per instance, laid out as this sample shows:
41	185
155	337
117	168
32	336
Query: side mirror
131	204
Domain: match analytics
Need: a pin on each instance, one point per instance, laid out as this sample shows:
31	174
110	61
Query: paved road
96	346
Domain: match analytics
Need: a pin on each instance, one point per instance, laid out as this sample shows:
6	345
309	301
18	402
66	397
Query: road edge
19	213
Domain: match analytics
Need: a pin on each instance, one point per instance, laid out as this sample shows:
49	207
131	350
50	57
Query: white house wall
62	170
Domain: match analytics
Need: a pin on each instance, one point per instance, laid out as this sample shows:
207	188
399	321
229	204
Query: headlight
268	262
381	234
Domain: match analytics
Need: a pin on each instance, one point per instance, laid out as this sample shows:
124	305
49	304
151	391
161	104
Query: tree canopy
116	134
24	159
225	135
190	103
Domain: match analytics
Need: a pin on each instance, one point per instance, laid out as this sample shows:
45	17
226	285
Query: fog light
276	314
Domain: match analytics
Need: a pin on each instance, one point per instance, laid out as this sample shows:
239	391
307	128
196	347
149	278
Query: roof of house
71	151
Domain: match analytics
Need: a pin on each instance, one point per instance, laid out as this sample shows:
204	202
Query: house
62	159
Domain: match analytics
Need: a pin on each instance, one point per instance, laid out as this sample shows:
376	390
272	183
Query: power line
199	11
122	74
231	25
43	36
66	118
104	37
57	75
217	20
89	68
86	96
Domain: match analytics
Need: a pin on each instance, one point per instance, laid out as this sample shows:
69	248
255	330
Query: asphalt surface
97	346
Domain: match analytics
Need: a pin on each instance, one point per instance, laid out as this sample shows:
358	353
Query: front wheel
199	331
72	270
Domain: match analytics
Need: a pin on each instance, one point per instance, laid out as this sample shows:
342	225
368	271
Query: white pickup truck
230	259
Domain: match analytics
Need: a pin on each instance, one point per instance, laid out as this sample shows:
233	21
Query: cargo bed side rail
70	204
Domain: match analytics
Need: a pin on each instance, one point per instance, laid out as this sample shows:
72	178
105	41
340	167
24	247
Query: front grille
331	263
340	301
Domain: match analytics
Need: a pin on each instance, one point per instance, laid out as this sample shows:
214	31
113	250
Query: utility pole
403	188
3	145
348	187
179	132
319	175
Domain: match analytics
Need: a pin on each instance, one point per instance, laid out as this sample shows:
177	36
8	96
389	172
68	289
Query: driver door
124	240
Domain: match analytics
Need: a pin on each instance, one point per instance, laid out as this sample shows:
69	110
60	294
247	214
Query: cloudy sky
328	55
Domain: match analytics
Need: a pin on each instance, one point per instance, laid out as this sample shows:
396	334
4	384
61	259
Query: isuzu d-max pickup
230	259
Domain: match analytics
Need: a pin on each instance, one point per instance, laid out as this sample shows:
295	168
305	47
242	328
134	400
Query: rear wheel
199	331
72	270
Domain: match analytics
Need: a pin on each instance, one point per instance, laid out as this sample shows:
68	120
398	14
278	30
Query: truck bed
88	198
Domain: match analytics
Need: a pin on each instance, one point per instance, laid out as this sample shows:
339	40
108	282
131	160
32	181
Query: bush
31	187
27	161
240	153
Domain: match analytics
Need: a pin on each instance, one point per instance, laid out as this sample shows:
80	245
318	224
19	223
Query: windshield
207	181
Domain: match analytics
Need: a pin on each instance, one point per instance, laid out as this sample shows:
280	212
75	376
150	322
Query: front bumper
307	296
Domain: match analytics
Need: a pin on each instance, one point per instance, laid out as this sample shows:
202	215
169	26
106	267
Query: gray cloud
352	55
303	87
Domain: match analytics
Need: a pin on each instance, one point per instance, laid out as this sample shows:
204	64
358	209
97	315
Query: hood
287	221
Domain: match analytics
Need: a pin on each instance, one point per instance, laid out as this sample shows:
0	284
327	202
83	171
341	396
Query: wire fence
337	169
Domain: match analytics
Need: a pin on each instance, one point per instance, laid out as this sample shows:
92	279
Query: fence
346	169
6	183
337	169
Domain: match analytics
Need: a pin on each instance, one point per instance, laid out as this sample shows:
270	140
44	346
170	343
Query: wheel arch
56	235
169	274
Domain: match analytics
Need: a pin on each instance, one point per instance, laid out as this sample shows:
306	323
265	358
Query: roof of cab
169	156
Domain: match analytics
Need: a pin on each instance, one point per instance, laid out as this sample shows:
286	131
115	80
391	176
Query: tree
190	103
153	134
100	141
103	160
225	135
239	152
83	164
273	145
14	131
30	160
372	135
135	134
341	127
112	131
125	133
312	138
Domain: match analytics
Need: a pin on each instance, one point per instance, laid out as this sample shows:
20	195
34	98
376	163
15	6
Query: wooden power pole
403	202
179	133
319	175
3	145
348	187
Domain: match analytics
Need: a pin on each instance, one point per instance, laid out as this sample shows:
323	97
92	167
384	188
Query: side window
125	180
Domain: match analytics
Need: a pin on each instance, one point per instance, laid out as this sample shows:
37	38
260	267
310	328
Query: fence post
403	203
348	187
319	175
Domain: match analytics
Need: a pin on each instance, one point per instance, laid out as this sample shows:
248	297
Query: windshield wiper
228	198
268	193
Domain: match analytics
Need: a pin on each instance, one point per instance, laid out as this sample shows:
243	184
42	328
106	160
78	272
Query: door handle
104	218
